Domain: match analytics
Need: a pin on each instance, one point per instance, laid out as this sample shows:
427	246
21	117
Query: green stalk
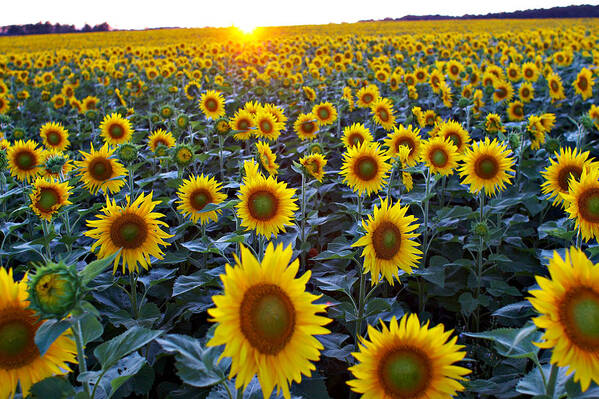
229	394
220	157
360	304
46	230
131	182
479	261
76	327
550	387
133	283
304	217
421	300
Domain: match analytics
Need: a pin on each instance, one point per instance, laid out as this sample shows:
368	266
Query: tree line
46	27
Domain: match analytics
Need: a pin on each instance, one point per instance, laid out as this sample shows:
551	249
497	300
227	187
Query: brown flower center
323	113
565	174
211	105
116	131
17	333
439	157
263	205
25	160
266	126
554	86
366	168
408	142
54	138
128	231
100	169
48	197
486	167
200	198
582	83
579	314
308	127
267	318
404	372
386	240
588	205
383	114
367	98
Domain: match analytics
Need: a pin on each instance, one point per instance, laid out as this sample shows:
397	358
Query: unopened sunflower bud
481	229
127	152
54	290
514	139
91	114
552	145
587	123
55	163
463	102
183	155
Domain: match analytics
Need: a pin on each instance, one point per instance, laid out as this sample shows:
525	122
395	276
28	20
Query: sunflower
388	242
568	165
48	196
266	205
594	115
407	360
192	89
116	129
454	131
404	136
212	104
160	138
530	72
436	80
355	135
99	170
382	113
267	125
513	72
20	360
242	123
504	91
309	93
526	92
365	168
366	96
267	158
547	120
314	164
537	130
568	303
197	192
454	69
90	103
515	111
582	202
58	100
493	124
24	160
54	136
325	113
440	155
306	126
4	105
583	84
267	320
486	166
556	89
135	229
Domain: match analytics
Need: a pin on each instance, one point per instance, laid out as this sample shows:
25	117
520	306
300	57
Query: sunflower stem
46	230
229	393
133	283
239	393
479	259
220	157
550	387
426	203
361	301
76	327
131	175
303	232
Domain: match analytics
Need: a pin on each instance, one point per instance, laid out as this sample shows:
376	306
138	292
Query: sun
246	28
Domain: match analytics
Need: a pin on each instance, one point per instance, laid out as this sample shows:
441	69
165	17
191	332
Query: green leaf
513	342
53	387
196	365
49	332
91	328
532	383
92	270
109	380
131	340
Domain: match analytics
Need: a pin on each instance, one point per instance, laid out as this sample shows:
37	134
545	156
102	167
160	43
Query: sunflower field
381	210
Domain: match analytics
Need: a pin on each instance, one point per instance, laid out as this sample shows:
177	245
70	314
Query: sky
136	14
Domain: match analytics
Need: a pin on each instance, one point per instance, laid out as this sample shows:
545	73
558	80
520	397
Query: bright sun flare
246	28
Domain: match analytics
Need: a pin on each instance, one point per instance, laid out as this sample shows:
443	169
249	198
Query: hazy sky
135	14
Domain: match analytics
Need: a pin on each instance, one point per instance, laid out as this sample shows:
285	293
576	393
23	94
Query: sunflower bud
91	114
121	110
127	152
54	290
3	160
481	229
18	133
552	145
183	155
514	139
55	163
182	121
315	148
222	126
463	102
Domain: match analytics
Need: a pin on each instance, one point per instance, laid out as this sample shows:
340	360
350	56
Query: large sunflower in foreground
99	170
440	155
48	196
135	229
55	137
582	203
487	165
197	192
20	359
567	165
407	360
212	104
116	129
388	242
569	306
365	168
266	205
24	160
267	321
